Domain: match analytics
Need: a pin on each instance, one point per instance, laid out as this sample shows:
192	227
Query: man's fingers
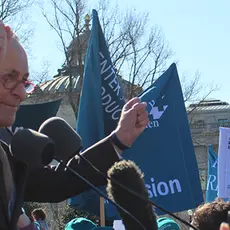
131	103
141	125
140	107
143	116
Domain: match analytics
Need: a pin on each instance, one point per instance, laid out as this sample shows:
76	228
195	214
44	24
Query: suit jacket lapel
19	172
3	193
20	180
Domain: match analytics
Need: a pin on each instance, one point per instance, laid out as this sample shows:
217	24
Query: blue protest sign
99	110
211	192
33	115
164	151
30	116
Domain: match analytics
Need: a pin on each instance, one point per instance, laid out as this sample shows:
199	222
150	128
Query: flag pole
102	212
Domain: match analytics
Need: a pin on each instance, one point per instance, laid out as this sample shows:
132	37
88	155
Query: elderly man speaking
47	185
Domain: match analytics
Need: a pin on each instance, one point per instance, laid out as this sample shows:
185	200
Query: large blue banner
164	151
211	192
99	110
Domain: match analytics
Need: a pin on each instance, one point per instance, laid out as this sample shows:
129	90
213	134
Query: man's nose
20	91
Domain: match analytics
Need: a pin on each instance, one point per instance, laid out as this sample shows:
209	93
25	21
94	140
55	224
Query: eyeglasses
11	81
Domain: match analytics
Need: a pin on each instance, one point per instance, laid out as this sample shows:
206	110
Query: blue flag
30	116
33	115
211	192
99	110
164	151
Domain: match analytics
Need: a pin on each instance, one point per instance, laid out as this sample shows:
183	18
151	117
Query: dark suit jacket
53	185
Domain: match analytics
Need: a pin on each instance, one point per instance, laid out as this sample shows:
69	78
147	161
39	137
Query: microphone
127	173
66	139
34	149
56	128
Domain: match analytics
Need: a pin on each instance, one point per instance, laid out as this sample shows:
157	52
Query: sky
197	32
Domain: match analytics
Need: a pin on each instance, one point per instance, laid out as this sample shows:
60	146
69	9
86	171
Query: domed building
67	83
68	77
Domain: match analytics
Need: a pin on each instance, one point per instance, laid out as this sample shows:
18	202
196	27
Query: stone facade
205	119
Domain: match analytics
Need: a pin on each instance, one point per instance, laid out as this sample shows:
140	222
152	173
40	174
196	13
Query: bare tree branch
10	8
41	76
130	51
15	13
139	52
196	92
66	21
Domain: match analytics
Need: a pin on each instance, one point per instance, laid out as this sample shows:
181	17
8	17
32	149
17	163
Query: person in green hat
83	224
165	223
80	224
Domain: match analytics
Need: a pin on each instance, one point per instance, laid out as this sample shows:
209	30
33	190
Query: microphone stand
99	191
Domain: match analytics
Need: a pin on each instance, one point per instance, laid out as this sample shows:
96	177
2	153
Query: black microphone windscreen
128	174
32	148
66	139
